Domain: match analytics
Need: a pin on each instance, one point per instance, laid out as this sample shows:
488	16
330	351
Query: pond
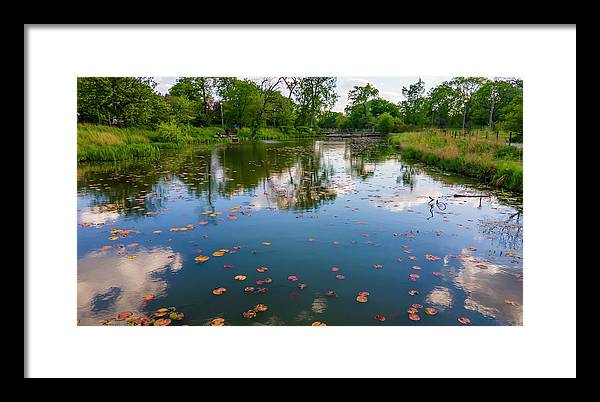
333	232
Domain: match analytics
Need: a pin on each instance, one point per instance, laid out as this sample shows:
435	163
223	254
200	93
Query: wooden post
509	137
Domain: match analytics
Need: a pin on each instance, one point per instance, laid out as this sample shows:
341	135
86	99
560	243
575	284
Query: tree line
282	102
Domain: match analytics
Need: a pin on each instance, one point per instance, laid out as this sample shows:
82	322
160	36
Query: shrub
385	123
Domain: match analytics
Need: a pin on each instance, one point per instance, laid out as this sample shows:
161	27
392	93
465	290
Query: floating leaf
302	285
414	317
218	254
176	316
201	258
249	289
162	322
249	314
464	320
361	299
416	306
377	266
124	315
335	269
292	278
318	324
471	248
379	318
240	277
430	311
340	277
103	248
437	273
219	291
261	307
262	269
412	310
413	292
266	243
217	322
431	257
113	238
416	267
330	293
148	297
364	294
413	277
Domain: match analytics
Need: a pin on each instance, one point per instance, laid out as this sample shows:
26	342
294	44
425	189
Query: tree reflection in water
290	177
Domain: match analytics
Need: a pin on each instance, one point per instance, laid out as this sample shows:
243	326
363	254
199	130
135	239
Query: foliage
385	123
496	164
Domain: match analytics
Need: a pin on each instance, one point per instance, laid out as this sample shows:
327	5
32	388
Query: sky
390	88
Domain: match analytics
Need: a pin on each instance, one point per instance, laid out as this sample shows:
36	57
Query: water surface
298	209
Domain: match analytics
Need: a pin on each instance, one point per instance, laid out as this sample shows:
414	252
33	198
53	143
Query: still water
327	219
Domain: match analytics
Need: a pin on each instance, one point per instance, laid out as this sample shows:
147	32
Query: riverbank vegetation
496	164
126	117
291	104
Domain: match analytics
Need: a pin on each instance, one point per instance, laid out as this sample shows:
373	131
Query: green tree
314	95
413	107
132	101
379	106
241	101
385	123
359	98
464	88
199	90
183	109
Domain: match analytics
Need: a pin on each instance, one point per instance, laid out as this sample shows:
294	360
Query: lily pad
162	322
124	315
219	291
430	311
361	299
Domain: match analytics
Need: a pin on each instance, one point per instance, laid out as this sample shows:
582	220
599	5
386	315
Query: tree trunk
491	122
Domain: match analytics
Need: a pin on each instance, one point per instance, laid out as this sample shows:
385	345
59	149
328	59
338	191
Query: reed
495	164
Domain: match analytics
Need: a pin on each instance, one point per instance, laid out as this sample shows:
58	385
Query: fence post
509	137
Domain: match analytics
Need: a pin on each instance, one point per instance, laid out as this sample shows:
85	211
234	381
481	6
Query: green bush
385	123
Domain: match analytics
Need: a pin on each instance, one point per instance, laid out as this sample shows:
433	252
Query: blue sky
390	88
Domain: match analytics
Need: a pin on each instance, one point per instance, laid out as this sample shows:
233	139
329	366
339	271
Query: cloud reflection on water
488	285
108	283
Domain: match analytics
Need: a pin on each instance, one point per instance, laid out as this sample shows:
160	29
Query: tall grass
104	143
498	165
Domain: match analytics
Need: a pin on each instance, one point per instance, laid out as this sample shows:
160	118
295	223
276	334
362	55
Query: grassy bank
495	164
104	143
